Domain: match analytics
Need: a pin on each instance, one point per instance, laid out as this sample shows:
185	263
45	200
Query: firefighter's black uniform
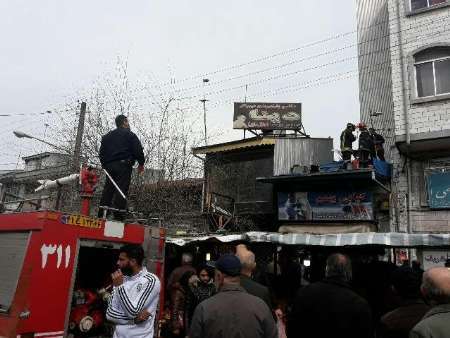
378	141
119	150
365	148
347	138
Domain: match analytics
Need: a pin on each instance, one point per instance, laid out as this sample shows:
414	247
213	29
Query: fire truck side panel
133	233
24	221
20	303
45	283
53	264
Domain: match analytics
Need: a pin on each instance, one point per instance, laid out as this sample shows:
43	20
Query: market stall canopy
390	239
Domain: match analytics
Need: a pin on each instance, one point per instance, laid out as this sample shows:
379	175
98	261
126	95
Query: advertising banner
325	206
258	115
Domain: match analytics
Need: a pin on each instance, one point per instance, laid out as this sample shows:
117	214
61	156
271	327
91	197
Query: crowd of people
370	144
222	299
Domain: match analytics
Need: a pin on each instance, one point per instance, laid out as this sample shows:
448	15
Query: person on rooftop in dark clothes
119	150
378	142
399	322
366	146
347	139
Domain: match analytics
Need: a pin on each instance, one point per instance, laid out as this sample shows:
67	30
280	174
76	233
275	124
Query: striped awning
391	239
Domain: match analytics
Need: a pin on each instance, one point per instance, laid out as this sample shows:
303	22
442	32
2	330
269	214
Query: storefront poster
325	206
432	259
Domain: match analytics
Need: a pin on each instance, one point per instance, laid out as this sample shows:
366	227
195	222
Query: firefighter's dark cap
228	264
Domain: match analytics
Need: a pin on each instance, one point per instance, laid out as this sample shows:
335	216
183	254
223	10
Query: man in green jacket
436	290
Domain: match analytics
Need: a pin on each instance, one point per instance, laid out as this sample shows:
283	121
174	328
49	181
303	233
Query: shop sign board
267	116
439	189
325	206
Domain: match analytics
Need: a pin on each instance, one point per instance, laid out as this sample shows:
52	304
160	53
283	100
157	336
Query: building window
419	4
432	68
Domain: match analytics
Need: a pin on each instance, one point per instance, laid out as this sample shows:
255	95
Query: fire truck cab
55	268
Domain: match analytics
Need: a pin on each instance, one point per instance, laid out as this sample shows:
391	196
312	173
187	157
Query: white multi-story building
404	64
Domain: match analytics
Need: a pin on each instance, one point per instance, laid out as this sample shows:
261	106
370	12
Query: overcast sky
53	49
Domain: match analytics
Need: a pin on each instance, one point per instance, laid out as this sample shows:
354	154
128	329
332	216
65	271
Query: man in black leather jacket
119	150
366	146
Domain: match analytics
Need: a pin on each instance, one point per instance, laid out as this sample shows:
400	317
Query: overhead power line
323	65
293	62
288	51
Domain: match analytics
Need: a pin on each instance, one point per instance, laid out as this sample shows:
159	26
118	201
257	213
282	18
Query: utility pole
204	119
204	100
80	130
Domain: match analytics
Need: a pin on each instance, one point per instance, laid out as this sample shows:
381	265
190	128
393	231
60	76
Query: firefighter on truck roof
119	150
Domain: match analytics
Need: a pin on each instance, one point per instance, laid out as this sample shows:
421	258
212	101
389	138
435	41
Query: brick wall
416	31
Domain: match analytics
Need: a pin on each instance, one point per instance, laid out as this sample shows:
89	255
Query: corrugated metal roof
44	154
301	151
235	145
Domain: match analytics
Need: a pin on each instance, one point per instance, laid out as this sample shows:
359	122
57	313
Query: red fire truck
54	268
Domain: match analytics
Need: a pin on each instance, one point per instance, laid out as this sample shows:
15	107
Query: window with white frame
419	4
432	67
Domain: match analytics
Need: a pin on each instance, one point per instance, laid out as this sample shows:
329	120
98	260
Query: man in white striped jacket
135	295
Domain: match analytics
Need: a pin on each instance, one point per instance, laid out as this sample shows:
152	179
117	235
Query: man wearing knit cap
232	312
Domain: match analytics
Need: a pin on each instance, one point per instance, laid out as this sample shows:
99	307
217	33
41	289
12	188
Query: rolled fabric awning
387	239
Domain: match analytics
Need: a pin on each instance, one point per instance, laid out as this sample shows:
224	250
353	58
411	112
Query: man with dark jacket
398	323
119	150
436	290
378	143
248	263
347	139
330	308
366	146
232	312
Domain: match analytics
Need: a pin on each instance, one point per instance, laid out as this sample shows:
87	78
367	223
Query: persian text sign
433	258
258	115
439	190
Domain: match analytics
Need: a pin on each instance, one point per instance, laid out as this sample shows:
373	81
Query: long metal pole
50	144
115	184
406	118
79	139
204	119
